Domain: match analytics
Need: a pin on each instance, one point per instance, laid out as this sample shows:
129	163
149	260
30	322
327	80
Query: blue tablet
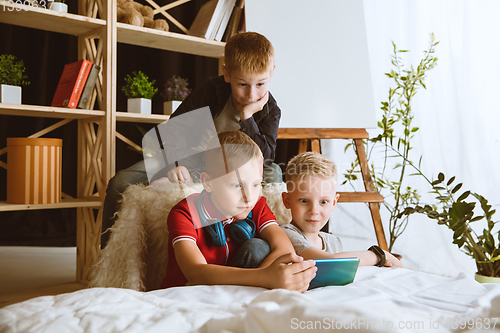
334	272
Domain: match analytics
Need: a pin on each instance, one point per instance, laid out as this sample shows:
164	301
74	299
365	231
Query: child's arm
366	258
278	241
288	271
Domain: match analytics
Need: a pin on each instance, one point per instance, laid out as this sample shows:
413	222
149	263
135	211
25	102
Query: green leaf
441	177
463	196
347	147
450	181
460	211
456	188
477	218
489	241
460	242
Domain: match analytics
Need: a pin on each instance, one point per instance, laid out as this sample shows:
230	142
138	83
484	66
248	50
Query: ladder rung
360	197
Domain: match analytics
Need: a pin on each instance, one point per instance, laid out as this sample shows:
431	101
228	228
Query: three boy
238	100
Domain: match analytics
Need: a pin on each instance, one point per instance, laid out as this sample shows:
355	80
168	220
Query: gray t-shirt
228	119
331	243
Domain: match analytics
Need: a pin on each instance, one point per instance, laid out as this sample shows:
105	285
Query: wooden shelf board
65	203
141	118
170	41
360	197
48	20
47	111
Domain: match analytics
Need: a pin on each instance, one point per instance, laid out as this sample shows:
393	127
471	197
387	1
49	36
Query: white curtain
458	116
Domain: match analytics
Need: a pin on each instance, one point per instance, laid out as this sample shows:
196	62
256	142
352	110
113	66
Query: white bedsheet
379	300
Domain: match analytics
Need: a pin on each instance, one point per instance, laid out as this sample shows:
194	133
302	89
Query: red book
71	84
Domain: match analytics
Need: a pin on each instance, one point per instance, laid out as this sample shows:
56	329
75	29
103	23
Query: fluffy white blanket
379	300
137	252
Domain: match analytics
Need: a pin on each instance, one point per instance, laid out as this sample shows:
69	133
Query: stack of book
217	20
76	85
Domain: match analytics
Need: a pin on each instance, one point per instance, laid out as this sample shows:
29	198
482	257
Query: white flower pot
10	94
170	106
486	279
59	7
139	105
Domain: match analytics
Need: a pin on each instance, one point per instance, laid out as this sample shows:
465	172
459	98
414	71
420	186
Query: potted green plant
59	6
459	215
174	92
12	77
139	91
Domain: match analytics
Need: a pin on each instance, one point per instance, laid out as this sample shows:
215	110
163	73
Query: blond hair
236	149
310	164
249	52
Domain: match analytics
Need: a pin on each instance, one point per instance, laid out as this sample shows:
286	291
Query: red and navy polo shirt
184	225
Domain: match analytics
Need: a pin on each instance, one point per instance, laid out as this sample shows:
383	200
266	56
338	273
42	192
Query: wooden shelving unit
97	39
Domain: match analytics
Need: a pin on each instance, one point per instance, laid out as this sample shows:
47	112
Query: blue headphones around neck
239	230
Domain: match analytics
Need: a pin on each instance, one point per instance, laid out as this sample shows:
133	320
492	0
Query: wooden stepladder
311	137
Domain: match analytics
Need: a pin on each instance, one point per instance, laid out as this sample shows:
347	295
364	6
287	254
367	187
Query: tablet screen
334	272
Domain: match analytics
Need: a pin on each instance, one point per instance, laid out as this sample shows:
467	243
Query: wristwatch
380	254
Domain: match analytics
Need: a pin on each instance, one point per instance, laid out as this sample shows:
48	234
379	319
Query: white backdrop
458	116
322	78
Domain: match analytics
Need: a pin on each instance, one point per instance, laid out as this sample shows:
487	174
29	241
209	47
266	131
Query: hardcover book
228	10
207	18
71	84
88	88
234	21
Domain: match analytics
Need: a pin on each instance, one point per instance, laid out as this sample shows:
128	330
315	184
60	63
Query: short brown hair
249	52
310	164
236	149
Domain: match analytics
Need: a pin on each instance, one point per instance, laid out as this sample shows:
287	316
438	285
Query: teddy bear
134	13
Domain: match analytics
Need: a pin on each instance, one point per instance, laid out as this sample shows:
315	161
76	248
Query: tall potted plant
139	91
394	142
174	92
12	77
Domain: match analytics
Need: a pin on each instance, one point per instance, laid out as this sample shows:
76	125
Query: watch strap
380	254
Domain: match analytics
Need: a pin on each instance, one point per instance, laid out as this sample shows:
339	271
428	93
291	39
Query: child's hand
247	111
181	174
176	174
392	261
291	272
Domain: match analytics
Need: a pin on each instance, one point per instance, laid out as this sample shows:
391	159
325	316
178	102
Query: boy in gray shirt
311	196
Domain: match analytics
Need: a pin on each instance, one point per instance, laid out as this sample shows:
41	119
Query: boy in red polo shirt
227	235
